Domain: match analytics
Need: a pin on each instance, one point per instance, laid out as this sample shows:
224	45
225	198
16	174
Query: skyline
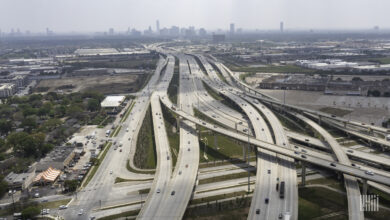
97	16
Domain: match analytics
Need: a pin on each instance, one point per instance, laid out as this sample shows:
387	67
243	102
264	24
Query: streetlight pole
247	153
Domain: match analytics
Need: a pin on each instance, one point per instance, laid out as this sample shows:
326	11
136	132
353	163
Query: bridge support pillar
178	124
303	174
243	153
365	187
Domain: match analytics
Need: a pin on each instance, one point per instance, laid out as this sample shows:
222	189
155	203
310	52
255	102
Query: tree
3	186
74	111
30	122
71	185
45	109
30	212
93	105
28	145
5	126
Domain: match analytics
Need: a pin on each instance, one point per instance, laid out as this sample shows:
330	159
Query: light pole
247	153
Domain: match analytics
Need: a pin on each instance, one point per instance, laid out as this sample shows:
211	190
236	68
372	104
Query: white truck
108	133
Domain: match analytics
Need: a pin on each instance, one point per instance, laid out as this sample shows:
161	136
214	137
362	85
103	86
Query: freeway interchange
253	122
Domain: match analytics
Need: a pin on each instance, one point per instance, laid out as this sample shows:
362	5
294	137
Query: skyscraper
111	31
158	26
232	29
281	26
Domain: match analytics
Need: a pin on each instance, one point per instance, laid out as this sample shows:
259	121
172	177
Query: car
296	152
240	123
269	171
189	149
306	139
172	193
186	165
167	157
179	172
92	217
350	151
47	211
203	123
158	191
333	164
111	171
266	200
120	150
189	142
304	151
62	207
280	215
303	156
43	212
36	195
257	211
81	212
369	172
215	126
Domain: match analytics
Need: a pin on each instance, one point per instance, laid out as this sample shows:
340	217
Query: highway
352	153
101	185
272	172
184	176
164	165
279	149
351	184
266	98
286	168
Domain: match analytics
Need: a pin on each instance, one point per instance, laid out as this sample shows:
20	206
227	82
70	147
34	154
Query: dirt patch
103	84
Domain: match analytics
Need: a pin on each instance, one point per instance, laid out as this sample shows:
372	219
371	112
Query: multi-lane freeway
250	121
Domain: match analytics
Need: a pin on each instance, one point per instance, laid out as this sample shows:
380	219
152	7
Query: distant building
158	27
111	31
217	38
232	29
7	90
281	26
202	32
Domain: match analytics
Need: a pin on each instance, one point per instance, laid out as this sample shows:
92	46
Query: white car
368	172
81	212
111	172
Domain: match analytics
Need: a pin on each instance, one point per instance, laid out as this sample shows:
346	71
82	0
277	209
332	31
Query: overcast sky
99	15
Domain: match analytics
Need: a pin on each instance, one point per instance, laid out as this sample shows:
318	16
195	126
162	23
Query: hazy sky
99	15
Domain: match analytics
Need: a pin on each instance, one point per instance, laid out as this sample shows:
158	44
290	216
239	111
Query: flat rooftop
112	101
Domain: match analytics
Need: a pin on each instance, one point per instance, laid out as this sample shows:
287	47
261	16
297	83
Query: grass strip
226	177
121	180
95	167
128	111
